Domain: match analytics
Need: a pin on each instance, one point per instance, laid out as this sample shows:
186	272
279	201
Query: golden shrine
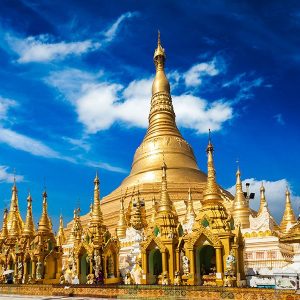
167	223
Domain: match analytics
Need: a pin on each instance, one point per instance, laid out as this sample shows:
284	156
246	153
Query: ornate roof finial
96	214
190	213
160	83
29	224
136	219
263	202
288	219
154	211
211	192
165	203
122	226
60	237
4	231
76	230
45	225
240	210
158	38
14	209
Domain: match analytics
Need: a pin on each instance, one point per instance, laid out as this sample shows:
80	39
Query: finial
158	38
210	147
14	176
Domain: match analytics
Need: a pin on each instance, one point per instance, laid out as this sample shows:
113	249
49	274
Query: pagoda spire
136	220
14	213
162	116
165	204
97	218
29	224
190	213
240	210
211	192
4	231
60	237
76	230
122	226
263	201
154	211
288	219
44	225
166	217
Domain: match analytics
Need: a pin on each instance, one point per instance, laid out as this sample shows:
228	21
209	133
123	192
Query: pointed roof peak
262	188
159	51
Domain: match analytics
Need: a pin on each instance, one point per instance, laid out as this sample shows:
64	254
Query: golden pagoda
288	219
240	209
162	142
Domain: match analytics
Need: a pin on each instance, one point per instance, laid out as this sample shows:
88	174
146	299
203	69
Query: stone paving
22	297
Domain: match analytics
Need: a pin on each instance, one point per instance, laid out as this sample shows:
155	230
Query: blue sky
75	93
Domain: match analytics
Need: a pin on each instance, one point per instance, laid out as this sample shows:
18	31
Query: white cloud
5	105
100	105
78	143
196	113
6	176
275	195
97	107
42	49
243	84
111	32
194	76
27	144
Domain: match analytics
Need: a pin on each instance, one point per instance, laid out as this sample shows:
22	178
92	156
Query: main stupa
162	143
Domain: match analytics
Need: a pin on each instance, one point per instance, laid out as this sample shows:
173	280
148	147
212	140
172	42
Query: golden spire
263	202
288	219
154	211
211	192
160	83
166	217
14	209
4	231
190	213
240	210
97	218
29	224
44	225
60	237
122	226
163	136
76	230
136	220
165	204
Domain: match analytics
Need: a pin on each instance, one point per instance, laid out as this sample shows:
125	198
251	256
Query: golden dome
163	138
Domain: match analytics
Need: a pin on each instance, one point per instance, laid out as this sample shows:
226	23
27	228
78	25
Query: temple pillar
33	269
25	273
177	258
219	266
191	280
144	267
164	261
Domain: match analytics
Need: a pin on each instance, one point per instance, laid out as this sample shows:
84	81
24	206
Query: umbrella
8	272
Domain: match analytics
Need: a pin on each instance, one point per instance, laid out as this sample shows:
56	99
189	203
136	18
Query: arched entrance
84	268
155	265
205	261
